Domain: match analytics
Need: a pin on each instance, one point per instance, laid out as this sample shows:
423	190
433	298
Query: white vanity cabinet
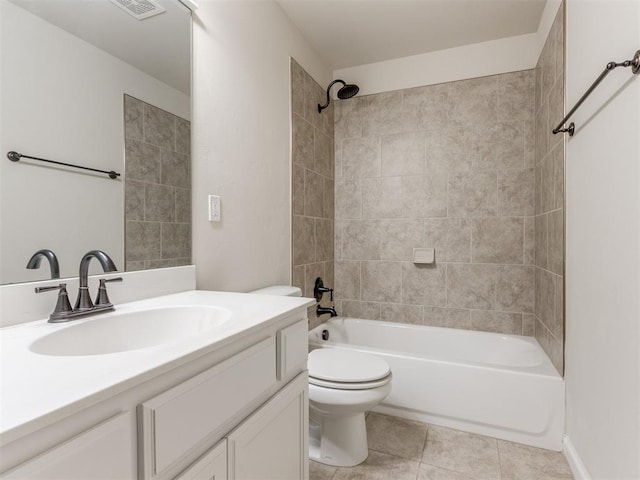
239	410
103	451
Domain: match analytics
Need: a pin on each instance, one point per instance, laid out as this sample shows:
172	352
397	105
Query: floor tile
521	462
380	466
396	436
467	453
320	471
429	472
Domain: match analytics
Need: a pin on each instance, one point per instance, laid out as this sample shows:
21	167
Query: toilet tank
279	290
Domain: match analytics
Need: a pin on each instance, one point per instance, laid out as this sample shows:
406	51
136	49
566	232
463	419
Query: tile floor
401	449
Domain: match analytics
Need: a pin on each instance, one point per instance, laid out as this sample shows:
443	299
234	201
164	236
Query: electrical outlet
214	208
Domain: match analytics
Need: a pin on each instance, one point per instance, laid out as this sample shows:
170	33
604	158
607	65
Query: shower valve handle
319	290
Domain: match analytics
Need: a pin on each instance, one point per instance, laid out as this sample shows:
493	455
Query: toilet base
339	441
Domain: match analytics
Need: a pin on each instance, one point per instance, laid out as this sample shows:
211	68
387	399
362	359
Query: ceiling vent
139	9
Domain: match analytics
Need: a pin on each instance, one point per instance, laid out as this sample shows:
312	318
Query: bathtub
502	386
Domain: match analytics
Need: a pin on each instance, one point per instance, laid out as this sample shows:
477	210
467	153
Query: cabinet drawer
293	349
103	452
207	405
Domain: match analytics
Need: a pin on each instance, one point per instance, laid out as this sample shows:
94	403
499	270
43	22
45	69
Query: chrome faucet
84	305
36	259
83	302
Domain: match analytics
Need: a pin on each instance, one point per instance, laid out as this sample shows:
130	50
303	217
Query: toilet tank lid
280	290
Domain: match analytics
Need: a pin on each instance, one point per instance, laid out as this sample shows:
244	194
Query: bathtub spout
322	310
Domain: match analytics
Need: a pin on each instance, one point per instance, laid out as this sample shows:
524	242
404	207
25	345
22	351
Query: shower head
347	91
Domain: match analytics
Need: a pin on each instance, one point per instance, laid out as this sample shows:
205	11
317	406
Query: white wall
469	61
603	241
241	141
62	99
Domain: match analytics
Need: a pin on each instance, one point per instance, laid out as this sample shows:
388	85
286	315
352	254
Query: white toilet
343	385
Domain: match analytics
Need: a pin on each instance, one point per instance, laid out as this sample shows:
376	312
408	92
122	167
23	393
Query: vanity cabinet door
102	452
211	466
273	442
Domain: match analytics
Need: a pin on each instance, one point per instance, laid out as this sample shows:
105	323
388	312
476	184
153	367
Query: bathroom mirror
67	66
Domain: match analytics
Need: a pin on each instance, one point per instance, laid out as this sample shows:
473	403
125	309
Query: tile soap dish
424	256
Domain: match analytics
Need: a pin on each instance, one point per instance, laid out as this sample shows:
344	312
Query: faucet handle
102	299
63	306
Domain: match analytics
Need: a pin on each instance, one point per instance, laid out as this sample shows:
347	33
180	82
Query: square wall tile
471	286
381	281
424	284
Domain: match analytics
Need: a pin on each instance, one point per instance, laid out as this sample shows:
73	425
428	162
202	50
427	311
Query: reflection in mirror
67	68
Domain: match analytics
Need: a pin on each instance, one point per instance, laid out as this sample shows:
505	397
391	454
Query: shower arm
322	107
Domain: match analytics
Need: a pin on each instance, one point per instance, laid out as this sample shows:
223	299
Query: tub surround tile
399	238
424	196
142	161
159	127
383	114
424	106
474	101
381	281
529	325
329	205
311	272
355	309
176	240
183	136
324	240
472	194
381	197
471	286
516	194
497	322
447	317
380	466
451	238
303	143
134	200
347	285
463	452
515	286
498	240
424	284
297	94
323	154
157	187
304	240
393	312
556	242
348	198
396	436
457	167
297	189
313	194
133	118
545	296
361	157
551	346
348	118
403	154
159	203
142	241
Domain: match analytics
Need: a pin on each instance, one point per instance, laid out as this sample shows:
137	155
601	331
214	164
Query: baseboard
578	468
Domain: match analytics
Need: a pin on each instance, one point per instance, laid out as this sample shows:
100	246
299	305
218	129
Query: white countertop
37	390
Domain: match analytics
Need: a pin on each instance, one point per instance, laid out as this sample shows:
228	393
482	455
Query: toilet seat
347	370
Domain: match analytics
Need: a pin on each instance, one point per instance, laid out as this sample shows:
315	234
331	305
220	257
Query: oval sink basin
127	331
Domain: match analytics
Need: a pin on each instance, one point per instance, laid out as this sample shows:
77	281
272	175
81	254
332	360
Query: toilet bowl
343	385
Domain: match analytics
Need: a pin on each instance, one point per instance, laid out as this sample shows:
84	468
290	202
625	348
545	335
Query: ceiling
159	46
347	33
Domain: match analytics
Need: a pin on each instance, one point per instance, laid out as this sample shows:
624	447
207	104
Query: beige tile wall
312	186
549	195
448	166
157	187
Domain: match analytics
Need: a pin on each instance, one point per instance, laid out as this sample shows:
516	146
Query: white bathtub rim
549	372
545	368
